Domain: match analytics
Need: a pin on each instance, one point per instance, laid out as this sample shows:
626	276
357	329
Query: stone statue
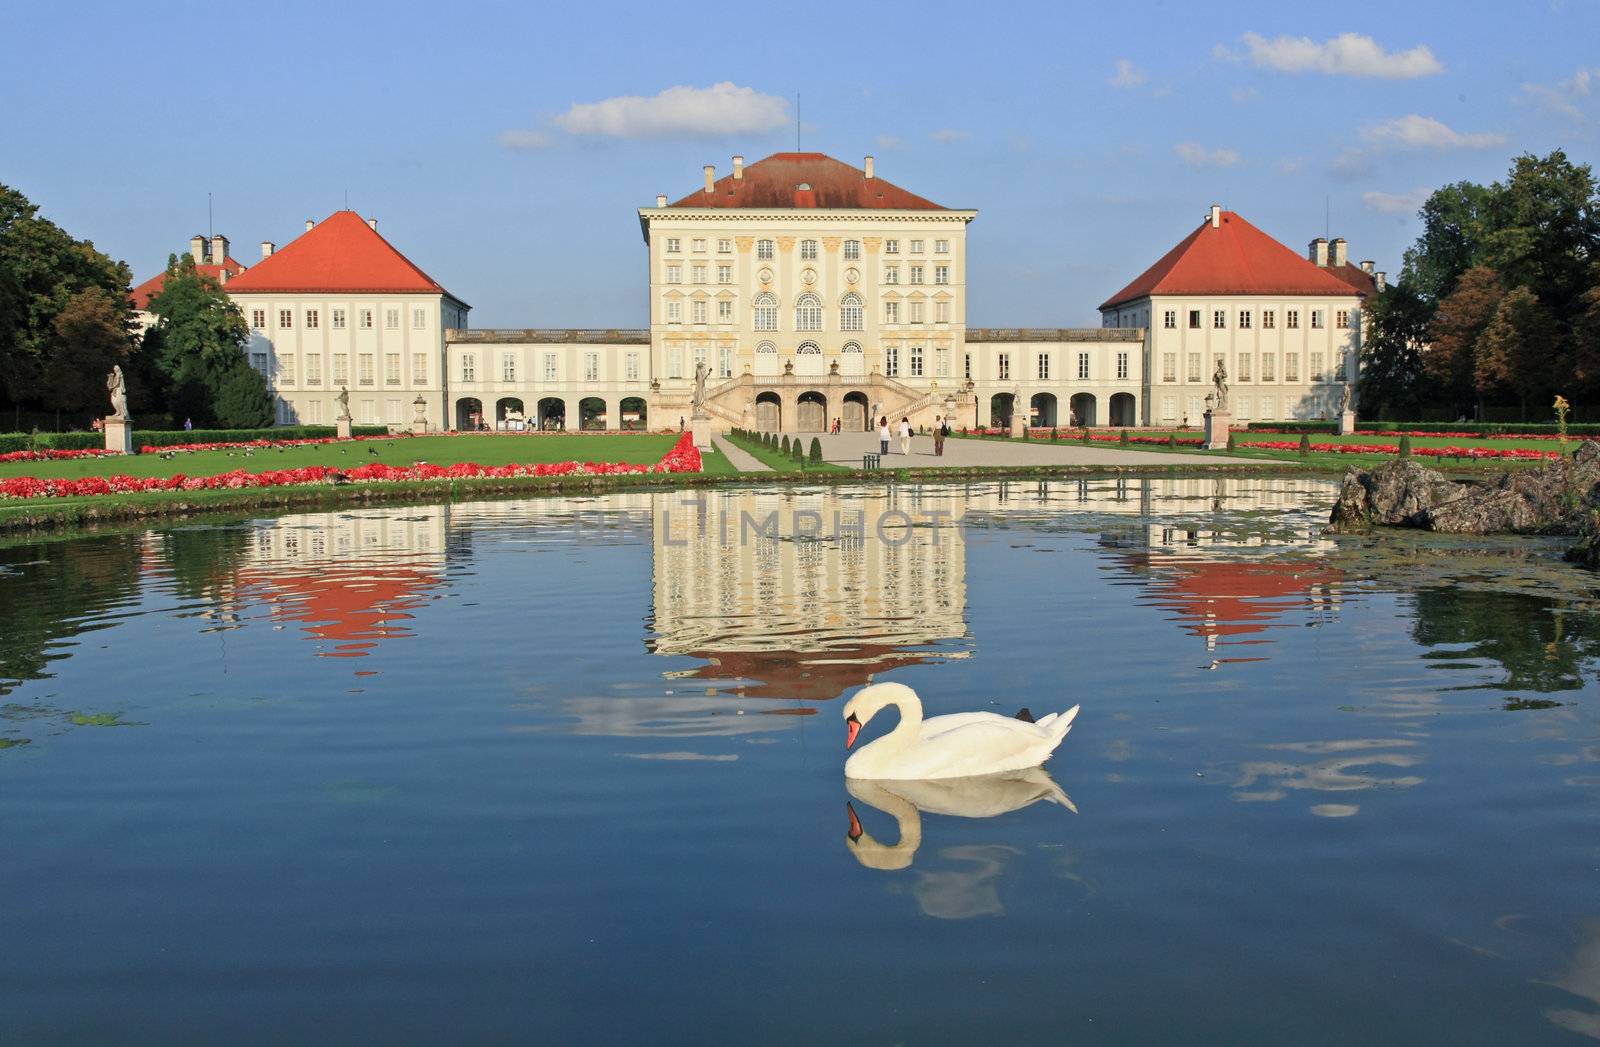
1220	380
1344	398
701	373
344	401
117	386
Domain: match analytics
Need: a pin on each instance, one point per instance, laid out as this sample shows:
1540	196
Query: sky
506	147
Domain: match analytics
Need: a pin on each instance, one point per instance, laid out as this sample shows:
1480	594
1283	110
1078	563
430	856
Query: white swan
960	745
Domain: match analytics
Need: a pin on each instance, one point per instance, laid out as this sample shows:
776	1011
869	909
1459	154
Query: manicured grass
775	459
484	449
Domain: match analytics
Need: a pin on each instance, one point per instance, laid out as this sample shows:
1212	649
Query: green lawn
485	449
776	461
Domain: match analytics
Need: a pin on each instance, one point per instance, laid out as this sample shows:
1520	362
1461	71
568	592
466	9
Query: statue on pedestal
344	401
1344	398
1220	380
698	401
117	387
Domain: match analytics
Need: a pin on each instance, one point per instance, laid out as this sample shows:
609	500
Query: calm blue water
569	771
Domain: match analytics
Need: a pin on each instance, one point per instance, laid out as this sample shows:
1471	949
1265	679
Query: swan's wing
935	726
980	746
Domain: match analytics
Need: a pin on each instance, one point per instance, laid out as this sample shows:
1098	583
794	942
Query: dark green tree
1394	331
199	348
1451	242
1451	361
91	336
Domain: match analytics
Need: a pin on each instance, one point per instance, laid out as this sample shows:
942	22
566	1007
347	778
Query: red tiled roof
1233	257
340	253
142	294
775	183
1356	277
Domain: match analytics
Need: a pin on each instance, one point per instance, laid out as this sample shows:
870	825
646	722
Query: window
285	318
674	312
1244	367
1122	367
916	247
941	274
891	312
391	369
766	347
941	312
675	362
1169	367
369	412
341	369
338	319
724	246
916	274
941	247
1316	367
699	246
766	313
1083	366
508	367
286	370
391	319
1219	318
1244	319
1316	319
916	361
591	366
808	250
1002	366
551	368
852	250
419	368
674	273
724	274
851	315
258	319
1169	319
313	319
1291	367
916	312
1341	319
366	319
674	245
697	272
725	310
1269	319
313	368
891	274
1194	367
392	412
630	365
941	363
1268	406
364	364
891	247
1194	319
966	365
469	367
1043	370
1268	367
697	310
808	313
419	319
764	249
891	360
1291	319
725	361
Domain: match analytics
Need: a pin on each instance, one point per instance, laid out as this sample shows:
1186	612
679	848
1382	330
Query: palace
812	291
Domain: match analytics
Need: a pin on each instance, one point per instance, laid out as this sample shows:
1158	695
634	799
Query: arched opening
808	359
856	417
811	413
1083	409
769	412
508	414
552	413
592	413
852	361
1000	410
1043	410
766	358
469	413
1123	407
635	413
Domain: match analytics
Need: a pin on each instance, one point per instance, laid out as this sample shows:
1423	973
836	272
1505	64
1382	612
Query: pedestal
419	426
1347	423
700	428
1217	425
342	426
119	435
1019	423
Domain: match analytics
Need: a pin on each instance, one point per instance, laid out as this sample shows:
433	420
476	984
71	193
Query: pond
569	770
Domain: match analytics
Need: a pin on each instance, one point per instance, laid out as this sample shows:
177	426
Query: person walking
883	435
905	435
939	428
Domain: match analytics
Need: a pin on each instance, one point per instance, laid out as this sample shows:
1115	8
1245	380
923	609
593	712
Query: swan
959	745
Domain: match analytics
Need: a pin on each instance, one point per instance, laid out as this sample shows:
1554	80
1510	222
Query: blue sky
489	141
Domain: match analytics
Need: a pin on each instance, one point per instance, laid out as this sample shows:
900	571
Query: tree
91	337
1394	331
1451	360
242	400
1544	229
1514	351
1451	242
199	342
1582	375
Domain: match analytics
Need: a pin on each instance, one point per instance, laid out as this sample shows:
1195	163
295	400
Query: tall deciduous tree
91	336
1453	228
1543	231
1514	352
199	341
1394	330
1451	359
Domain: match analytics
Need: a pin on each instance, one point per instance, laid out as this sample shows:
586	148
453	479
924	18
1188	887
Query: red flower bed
683	458
52	455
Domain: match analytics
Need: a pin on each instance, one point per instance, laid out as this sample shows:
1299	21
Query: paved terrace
847	449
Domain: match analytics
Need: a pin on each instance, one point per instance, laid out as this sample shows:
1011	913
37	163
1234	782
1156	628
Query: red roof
1364	282
341	253
829	184
142	294
1233	257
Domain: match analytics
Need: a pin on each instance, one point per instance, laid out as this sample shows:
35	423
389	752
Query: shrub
1054	435
1305	444
1085	436
1172	439
1024	430
783	448
10	442
1405	446
1122	438
1232	444
816	451
796	453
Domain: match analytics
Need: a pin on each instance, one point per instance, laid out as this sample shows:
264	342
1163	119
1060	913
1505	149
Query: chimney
1215	216
1366	267
738	168
1317	252
661	199
1338	251
197	249
866	165
372	223
267	247
219	249
309	224
1379	281
222	274
711	178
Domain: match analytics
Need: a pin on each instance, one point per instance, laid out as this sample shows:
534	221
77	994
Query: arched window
850	313
766	312
766	347
850	347
808	349
808	250
808	313
764	250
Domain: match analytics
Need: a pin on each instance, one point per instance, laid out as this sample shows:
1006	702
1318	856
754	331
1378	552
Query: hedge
1475	428
167	437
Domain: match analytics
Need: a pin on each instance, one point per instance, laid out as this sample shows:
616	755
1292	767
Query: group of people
941	430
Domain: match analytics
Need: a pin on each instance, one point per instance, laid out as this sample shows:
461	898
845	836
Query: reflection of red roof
142	294
341	253
830	185
813	676
1229	598
1233	257
349	604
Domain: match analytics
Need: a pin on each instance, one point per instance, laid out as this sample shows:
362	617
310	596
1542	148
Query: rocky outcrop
1556	498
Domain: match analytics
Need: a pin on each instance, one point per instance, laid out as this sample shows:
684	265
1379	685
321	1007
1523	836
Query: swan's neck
905	732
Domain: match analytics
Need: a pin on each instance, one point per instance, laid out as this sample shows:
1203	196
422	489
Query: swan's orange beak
855	823
852	727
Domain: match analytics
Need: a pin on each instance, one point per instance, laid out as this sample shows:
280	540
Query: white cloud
679	112
1424	132
1348	54
949	135
1563	96
1197	156
1394	203
523	140
889	141
1127	75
